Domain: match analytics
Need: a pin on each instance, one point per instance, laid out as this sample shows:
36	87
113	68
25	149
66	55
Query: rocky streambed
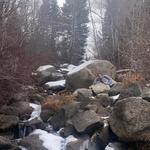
70	108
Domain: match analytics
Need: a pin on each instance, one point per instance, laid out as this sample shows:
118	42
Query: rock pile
100	115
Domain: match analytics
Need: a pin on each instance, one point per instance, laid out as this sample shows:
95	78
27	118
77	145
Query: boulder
84	75
46	114
130	119
132	90
83	96
60	118
24	109
67	131
47	73
82	93
104	99
8	122
32	142
86	121
100	88
5	144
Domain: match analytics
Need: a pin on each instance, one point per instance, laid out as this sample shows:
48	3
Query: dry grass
131	78
56	102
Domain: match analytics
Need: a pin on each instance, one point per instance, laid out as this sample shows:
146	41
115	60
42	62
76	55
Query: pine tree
76	19
48	27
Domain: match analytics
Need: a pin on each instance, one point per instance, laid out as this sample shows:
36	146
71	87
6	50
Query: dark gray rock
24	109
32	142
86	122
8	122
133	90
46	114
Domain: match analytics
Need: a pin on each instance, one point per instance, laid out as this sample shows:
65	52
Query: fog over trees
34	33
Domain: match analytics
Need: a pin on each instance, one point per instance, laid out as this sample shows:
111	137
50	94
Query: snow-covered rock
65	68
45	67
46	141
36	111
55	85
47	73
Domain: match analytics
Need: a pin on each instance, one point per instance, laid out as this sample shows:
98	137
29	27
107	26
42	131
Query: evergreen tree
48	27
76	18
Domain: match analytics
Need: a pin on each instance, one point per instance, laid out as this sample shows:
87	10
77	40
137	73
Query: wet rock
130	119
86	121
84	75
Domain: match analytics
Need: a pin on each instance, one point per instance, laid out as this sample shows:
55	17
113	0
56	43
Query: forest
94	36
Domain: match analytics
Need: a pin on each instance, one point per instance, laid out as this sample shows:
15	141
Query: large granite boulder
130	119
86	121
84	75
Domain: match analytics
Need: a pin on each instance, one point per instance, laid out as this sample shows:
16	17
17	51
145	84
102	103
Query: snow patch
53	142
115	97
22	148
109	147
80	67
42	68
36	111
56	83
68	68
